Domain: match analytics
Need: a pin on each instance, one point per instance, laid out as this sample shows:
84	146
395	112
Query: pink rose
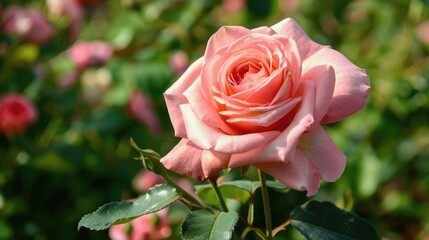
154	226
87	54
16	114
259	97
28	24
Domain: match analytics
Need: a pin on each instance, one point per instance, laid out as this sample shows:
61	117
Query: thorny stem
266	202
219	195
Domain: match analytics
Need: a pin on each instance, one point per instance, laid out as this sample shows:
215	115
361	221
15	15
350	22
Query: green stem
183	193
266	202
219	195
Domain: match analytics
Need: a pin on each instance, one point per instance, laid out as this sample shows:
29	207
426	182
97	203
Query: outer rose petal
290	28
316	157
174	96
212	162
351	84
298	174
227	35
320	150
323	77
185	159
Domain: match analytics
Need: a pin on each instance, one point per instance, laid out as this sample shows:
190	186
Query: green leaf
324	221
154	200
208	225
208	195
239	190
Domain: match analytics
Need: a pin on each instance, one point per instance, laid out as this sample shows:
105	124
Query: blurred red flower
16	114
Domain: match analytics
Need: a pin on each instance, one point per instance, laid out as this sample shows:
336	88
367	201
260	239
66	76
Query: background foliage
77	156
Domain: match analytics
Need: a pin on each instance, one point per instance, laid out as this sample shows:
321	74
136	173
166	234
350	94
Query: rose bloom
16	114
28	24
153	226
259	97
87	54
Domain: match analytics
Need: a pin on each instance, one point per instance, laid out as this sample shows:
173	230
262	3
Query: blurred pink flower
16	114
233	6
29	24
152	226
70	9
140	108
87	54
423	32
179	61
289	5
146	179
68	79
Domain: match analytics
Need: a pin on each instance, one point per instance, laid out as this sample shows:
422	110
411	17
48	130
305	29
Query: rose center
241	72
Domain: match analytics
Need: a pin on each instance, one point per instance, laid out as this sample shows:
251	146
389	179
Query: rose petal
324	78
185	158
298	174
204	110
224	37
290	28
174	96
325	157
267	118
227	35
206	137
282	148
351	84
212	162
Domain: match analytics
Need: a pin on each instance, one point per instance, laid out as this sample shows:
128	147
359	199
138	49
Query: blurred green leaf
154	200
209	225
53	162
324	221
